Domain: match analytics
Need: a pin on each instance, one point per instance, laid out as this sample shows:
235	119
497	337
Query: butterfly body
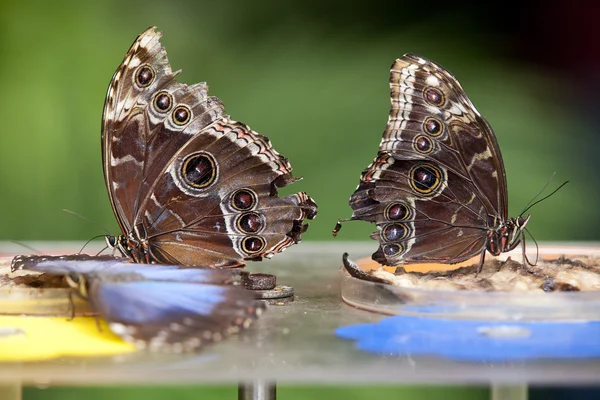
187	184
505	236
437	188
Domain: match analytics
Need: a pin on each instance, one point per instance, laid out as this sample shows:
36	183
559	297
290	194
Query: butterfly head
118	243
507	235
520	222
18	263
133	246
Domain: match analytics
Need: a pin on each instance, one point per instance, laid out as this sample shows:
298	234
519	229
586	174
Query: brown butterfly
437	188
187	184
190	187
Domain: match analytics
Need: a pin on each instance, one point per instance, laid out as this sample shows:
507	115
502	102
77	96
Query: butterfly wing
173	316
428	101
438	182
118	268
183	176
227	205
139	136
160	307
63	265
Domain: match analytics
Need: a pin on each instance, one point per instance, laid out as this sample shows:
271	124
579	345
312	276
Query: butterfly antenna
533	202
545	197
87	219
539	193
35	251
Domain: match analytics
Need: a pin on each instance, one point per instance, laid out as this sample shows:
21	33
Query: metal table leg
257	390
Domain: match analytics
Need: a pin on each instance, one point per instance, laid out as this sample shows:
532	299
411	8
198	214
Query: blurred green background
313	76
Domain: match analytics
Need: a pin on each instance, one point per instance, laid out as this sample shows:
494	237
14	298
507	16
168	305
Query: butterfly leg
537	251
481	261
526	262
98	325
71	306
102	251
525	259
76	284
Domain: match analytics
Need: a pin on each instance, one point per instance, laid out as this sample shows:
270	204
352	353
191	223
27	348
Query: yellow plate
25	338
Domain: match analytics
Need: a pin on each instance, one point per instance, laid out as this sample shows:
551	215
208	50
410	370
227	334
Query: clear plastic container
464	304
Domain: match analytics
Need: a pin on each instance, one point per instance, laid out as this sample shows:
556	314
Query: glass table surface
294	342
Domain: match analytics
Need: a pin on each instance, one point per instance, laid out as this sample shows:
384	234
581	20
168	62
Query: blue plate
477	341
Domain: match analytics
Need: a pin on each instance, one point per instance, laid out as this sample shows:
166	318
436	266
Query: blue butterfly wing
173	316
138	302
63	265
162	273
112	268
162	307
